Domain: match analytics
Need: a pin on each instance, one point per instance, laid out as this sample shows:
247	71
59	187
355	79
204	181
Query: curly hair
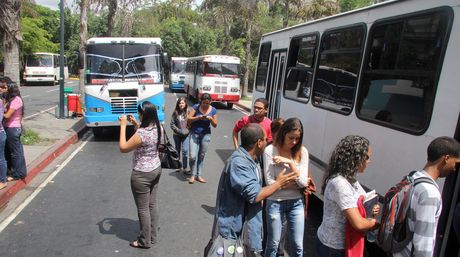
347	156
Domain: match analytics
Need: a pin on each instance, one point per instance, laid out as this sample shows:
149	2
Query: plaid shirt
425	209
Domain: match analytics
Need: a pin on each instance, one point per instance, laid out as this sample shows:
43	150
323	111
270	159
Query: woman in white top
341	191
286	154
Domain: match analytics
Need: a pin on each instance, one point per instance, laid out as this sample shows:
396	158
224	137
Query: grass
30	137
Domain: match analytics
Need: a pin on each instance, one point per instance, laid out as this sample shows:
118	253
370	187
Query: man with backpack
443	154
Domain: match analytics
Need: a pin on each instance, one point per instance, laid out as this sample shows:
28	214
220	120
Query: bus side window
299	73
262	67
399	75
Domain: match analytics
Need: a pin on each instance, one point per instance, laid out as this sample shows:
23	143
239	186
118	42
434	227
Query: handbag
168	154
221	247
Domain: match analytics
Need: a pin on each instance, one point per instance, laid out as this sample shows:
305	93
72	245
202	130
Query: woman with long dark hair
3	166
200	118
341	191
12	122
179	127
286	154
146	169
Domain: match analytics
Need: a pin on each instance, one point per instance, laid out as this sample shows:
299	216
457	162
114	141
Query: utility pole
61	64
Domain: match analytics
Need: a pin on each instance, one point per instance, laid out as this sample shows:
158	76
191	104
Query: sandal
201	180
136	244
191	180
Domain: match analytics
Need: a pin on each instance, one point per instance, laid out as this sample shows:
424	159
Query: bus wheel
98	132
229	105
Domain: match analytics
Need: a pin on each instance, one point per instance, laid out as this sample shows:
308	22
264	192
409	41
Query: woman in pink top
12	119
146	169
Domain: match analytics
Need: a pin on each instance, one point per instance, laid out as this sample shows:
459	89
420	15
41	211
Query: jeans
293	211
144	186
182	145
325	251
15	156
3	168
198	147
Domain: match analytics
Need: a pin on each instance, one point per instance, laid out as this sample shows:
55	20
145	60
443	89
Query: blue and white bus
177	75
121	73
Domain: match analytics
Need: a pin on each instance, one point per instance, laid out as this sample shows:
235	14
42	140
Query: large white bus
44	68
177	73
120	74
388	72
218	75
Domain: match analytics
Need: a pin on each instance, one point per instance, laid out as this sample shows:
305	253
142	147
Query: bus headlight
206	88
94	109
234	89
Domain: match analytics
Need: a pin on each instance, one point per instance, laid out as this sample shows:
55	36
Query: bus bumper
225	98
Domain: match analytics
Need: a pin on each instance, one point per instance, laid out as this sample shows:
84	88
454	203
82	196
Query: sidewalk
245	104
56	135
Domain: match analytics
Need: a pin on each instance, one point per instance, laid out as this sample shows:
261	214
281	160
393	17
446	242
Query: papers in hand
370	199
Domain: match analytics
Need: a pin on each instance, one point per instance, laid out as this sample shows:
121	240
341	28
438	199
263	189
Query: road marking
38	113
52	90
241	109
29	199
25	96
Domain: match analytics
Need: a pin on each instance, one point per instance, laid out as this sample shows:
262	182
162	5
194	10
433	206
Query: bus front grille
122	105
220	89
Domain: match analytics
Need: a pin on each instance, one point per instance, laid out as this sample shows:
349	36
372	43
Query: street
88	208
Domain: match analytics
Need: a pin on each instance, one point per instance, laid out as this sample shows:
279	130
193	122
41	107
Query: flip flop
201	180
136	244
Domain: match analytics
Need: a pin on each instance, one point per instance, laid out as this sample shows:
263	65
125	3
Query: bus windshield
123	62
40	60
178	67
224	69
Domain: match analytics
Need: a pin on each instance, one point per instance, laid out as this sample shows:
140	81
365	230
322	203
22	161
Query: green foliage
35	38
30	137
348	5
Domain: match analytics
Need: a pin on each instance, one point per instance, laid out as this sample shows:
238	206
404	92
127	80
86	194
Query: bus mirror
166	59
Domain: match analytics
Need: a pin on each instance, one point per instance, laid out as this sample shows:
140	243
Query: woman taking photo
200	118
286	154
179	127
146	170
341	192
12	123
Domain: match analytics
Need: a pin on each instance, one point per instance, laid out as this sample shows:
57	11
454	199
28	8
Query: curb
243	107
41	162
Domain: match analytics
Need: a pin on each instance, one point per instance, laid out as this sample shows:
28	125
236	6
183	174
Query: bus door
447	242
276	77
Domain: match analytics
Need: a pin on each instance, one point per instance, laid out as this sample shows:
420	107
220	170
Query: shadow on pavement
224	154
125	229
179	175
208	209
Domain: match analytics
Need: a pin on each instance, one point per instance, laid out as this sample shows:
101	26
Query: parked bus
217	75
44	68
388	72
177	74
120	74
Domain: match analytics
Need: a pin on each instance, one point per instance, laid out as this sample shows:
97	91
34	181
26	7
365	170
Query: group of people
12	160
269	169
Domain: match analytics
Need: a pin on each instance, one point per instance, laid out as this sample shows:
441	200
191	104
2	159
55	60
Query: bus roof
216	58
43	53
129	40
179	58
334	16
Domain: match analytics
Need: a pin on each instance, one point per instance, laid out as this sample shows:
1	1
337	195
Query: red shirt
265	123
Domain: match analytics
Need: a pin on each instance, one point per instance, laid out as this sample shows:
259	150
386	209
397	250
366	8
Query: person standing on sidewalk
179	127
260	111
12	122
146	170
3	167
200	119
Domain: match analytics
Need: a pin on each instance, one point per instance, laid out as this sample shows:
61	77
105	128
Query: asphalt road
88	210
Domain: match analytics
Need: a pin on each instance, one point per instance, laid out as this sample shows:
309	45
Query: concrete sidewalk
56	134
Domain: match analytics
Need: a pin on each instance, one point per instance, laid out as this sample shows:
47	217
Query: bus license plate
220	96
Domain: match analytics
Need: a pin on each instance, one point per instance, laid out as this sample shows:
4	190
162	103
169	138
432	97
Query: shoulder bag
168	154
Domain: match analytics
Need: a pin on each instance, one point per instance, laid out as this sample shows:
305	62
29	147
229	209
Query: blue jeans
182	145
293	212
325	251
3	167
198	147
15	156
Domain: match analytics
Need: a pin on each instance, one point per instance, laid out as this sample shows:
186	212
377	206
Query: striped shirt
425	209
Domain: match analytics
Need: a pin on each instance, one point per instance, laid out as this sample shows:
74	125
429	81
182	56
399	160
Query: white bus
120	74
44	68
388	72
177	73
218	75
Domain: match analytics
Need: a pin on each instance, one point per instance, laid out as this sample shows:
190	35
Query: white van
44	68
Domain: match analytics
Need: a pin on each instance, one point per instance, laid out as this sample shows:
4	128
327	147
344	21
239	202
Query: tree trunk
10	14
286	13
113	6
248	59
83	31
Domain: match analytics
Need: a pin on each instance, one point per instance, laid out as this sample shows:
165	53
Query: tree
10	35
84	8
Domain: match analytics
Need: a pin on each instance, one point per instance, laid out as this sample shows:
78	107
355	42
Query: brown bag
308	190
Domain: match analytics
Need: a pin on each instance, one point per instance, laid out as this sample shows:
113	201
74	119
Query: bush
30	137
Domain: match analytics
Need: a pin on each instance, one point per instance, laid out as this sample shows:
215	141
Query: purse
221	247
168	154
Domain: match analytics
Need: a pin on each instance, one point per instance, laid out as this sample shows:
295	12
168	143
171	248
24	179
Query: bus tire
98	132
229	105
